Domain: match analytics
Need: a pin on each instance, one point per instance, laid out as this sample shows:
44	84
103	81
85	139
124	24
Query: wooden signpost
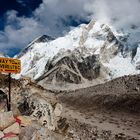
9	65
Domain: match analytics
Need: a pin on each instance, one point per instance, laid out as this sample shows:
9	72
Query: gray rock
15	128
6	119
11	138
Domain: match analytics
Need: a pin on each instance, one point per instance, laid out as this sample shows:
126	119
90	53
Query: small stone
11	138
6	119
1	134
13	128
58	110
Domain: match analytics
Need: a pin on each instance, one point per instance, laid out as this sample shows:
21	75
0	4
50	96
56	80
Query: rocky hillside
107	111
37	107
121	94
93	52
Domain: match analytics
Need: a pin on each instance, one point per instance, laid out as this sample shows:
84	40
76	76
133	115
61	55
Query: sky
21	21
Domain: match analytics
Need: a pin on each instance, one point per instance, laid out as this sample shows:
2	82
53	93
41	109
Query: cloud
53	17
21	2
50	18
18	32
119	13
54	13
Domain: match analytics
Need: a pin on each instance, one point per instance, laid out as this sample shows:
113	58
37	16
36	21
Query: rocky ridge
86	51
107	111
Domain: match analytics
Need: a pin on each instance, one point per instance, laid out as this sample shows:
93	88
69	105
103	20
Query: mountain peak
43	38
113	56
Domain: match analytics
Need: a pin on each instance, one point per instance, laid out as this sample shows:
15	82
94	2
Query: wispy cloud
48	18
119	13
51	17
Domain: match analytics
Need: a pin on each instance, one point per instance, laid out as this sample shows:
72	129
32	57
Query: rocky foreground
109	111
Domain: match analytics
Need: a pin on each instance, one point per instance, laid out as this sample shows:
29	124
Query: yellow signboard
10	65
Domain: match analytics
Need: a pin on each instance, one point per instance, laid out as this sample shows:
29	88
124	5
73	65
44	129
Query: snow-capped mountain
2	55
93	51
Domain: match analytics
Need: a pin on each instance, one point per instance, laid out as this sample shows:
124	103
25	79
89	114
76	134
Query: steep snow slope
112	50
36	58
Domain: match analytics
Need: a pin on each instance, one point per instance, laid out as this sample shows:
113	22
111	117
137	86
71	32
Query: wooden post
9	106
7	102
7	65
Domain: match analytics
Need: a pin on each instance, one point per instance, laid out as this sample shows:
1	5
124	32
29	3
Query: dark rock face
68	61
2	95
44	38
24	107
138	66
3	100
72	69
89	68
62	74
110	37
65	75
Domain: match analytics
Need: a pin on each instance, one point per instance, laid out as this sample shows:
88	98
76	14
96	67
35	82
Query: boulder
15	128
58	110
11	138
6	119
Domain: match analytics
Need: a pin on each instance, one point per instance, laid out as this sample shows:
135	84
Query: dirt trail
123	123
112	108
